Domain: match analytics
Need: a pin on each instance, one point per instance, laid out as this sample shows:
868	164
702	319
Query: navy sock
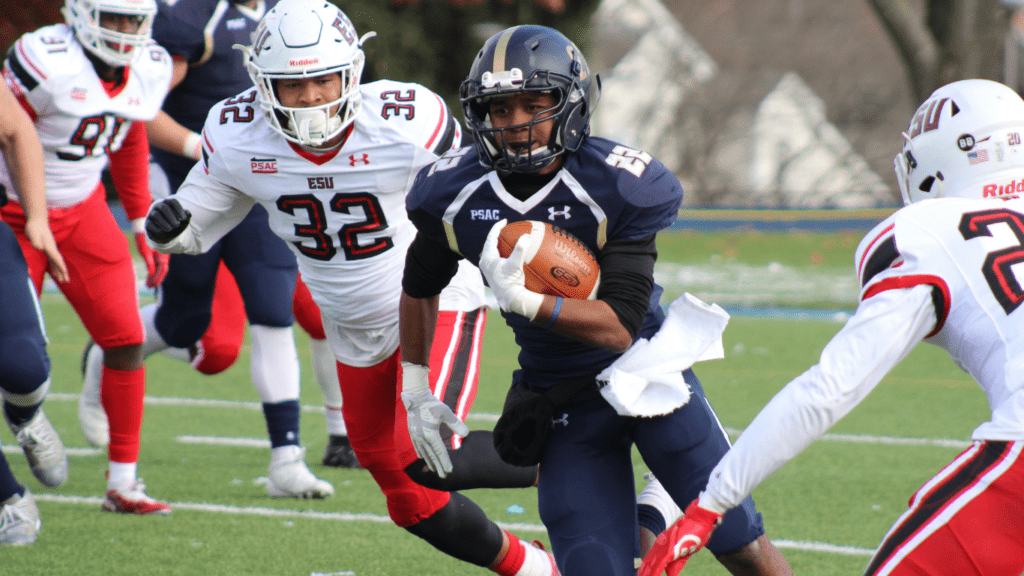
20	414
649	517
282	422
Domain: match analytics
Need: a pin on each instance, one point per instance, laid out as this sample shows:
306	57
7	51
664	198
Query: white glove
426	414
505	276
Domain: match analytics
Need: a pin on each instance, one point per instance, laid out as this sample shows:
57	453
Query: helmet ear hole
926	184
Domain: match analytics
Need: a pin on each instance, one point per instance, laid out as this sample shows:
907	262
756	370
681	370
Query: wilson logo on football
263	165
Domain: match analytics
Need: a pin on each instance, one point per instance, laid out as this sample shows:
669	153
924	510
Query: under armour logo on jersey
78	93
564	213
352	159
564	420
133	101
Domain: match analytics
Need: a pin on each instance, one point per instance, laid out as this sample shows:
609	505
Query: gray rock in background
643	91
773	147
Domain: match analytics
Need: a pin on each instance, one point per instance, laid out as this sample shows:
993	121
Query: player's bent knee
25	366
214	358
408	502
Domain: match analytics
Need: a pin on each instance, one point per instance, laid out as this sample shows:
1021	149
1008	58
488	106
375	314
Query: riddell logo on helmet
1011	189
303	62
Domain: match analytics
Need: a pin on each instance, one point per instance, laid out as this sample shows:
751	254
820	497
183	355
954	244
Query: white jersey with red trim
341	212
940	270
78	121
971	253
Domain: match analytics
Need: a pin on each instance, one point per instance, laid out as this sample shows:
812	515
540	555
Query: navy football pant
586	490
262	264
24	364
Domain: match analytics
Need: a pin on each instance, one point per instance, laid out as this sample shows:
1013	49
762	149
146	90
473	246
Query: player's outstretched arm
24	155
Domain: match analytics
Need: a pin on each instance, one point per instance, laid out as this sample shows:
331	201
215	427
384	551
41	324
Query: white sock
335	422
275	363
154	343
536	563
654	495
325	367
122	475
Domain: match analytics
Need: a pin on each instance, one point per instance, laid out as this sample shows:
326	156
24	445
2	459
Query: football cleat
289	477
43	449
339	453
134	501
91	414
19	521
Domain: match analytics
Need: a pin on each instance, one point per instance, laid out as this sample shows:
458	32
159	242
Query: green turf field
826	510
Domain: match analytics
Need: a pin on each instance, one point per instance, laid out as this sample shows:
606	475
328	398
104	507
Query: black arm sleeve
627	279
429	267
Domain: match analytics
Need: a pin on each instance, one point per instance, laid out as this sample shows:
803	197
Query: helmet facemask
299	40
493	141
114	48
316	125
524	59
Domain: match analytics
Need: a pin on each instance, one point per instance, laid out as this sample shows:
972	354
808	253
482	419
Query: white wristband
526	303
139	225
415	378
193	147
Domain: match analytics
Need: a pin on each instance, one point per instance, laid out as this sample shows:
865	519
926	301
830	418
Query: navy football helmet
529	59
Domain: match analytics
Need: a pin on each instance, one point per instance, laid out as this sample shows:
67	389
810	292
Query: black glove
166	221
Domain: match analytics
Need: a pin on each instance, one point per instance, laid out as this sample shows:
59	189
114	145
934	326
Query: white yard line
352	517
487	417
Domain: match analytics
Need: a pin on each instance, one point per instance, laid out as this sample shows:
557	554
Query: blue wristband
554	313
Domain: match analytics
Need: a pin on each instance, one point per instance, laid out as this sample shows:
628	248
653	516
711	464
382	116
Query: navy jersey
604	192
202	33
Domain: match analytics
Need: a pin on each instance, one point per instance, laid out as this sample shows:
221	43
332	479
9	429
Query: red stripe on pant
455	361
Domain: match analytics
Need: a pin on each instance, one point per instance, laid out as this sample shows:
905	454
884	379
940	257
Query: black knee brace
461	530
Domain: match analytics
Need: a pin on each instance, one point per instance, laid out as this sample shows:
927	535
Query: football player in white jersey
88	85
331	161
941	270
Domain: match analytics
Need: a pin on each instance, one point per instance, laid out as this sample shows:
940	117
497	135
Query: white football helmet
112	47
306	39
964	141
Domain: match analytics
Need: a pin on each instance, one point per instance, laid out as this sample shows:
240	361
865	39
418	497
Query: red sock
514	558
122	394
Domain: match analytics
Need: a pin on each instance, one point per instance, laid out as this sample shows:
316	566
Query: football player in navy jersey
527	103
24	364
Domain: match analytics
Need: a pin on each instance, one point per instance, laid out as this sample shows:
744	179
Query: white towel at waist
647	379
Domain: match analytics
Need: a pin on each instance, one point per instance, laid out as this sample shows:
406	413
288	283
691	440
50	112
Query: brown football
557	263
